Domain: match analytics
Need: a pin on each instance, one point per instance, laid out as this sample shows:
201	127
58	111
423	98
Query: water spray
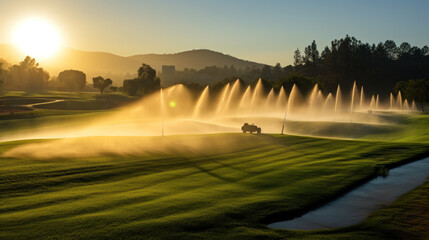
162	112
284	121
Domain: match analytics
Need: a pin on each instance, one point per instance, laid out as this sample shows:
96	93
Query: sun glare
37	38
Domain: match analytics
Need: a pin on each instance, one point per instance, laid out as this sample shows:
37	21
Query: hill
119	67
196	59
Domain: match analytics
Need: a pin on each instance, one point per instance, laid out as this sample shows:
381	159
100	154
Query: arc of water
353	96
256	92
406	105
361	98
327	100
320	99
372	103
162	111
221	103
413	106
313	98
231	93
202	102
399	100
244	98
270	99
281	100
377	102
352	102
292	96
234	91
337	99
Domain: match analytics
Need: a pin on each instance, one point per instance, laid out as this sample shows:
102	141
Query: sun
37	38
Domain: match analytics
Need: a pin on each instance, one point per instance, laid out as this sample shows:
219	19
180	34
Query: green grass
49	94
186	195
70	100
212	193
407	218
401	128
75	105
22	100
413	128
77	108
41	119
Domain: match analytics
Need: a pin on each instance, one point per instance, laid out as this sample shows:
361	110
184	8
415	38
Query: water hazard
356	205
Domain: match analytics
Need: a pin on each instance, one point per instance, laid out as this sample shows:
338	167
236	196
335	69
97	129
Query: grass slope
226	193
76	108
230	195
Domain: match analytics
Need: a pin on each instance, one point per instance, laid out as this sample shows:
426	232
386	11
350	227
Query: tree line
380	68
29	76
213	74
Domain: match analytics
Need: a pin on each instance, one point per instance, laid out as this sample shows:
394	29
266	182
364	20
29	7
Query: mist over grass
74	116
142	146
101	177
227	191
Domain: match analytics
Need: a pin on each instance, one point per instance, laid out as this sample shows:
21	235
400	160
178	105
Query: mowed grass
67	100
74	109
228	195
411	128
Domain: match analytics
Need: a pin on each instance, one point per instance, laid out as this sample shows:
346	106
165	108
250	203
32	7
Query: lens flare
37	38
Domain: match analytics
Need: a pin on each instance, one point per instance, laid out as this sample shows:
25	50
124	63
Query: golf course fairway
229	189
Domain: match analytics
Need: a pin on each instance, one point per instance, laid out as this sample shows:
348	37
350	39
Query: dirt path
42	103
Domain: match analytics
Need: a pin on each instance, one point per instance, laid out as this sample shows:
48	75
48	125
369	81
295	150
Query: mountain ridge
117	67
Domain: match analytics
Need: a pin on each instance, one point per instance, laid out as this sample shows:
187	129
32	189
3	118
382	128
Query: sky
263	31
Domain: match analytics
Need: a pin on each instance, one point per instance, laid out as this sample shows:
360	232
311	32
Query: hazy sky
262	31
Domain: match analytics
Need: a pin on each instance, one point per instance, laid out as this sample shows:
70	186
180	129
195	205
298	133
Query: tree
101	83
401	86
277	71
425	50
418	90
266	72
130	86
305	84
326	52
147	79
376	66
311	53
314	52
1	72
391	49
27	75
297	58
404	49
72	80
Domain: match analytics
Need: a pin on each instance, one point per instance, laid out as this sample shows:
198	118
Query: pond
358	204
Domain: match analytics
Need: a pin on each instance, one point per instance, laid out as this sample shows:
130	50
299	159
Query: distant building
168	76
